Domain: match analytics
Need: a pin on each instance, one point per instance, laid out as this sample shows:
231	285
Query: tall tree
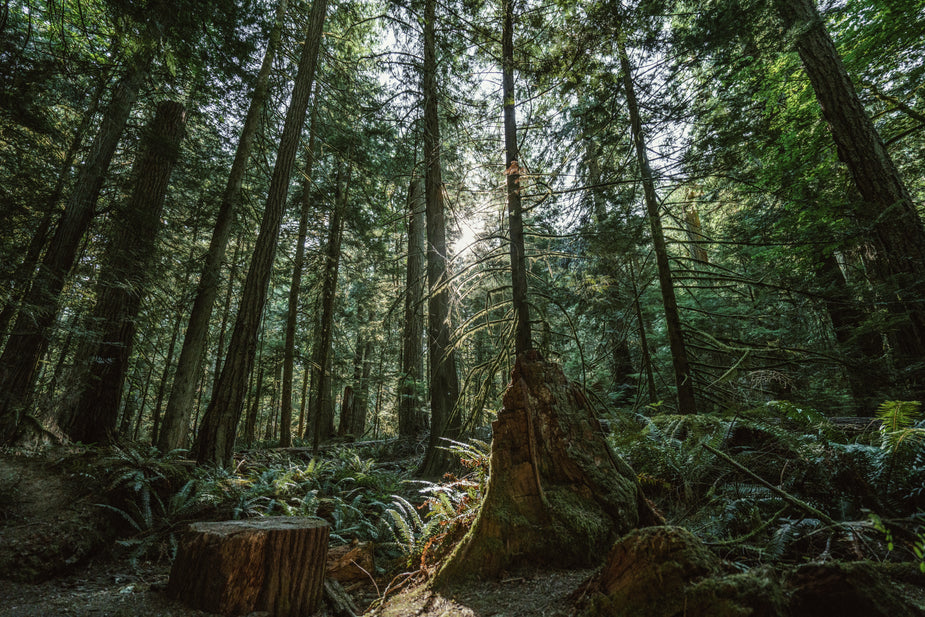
30	335
411	378
295	286
888	215
444	381
124	278
522	337
321	413
180	403
215	440
679	360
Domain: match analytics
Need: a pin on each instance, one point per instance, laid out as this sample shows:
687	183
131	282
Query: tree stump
274	564
557	494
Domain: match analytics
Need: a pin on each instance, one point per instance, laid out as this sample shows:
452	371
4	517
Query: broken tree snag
556	492
274	564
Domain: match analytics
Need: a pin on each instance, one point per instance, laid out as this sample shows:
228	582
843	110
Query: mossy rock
647	573
756	593
854	589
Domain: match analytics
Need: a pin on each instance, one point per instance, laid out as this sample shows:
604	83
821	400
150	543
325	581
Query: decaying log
274	564
339	600
351	562
557	493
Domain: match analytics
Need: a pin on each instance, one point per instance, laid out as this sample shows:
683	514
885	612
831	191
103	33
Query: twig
802	505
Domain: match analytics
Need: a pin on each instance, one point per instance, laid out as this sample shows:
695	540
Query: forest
534	307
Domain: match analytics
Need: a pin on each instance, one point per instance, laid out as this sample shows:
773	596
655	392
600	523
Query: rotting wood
340	601
351	562
274	564
557	494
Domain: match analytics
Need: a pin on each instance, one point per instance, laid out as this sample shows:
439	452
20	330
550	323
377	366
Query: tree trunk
180	403
444	382
321	382
274	564
295	287
888	218
128	409
250	422
226	312
174	333
141	407
215	440
861	346
346	412
557	494
695	237
272	413
27	343
124	278
302	402
643	339
361	402
21	277
682	372
522	339
411	380
162	385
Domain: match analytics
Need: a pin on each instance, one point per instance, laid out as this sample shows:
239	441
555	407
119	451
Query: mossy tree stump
557	494
274	564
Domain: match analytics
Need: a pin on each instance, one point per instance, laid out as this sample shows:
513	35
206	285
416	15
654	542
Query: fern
898	420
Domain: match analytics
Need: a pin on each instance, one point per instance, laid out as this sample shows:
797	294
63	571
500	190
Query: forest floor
111	587
53	530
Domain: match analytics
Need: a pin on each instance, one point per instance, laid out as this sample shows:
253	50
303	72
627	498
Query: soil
111	587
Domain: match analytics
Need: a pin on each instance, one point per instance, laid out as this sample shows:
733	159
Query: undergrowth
813	491
155	496
798	451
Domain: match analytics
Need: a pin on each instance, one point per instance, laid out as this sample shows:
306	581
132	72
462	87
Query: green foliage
793	448
411	532
898	426
449	507
149	492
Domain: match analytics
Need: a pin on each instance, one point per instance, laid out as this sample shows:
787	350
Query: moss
648	572
581	529
848	589
757	593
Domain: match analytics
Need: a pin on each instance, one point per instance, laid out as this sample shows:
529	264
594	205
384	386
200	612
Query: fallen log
274	564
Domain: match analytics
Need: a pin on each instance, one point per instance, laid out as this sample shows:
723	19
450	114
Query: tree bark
295	287
643	339
21	277
361	402
346	412
30	335
162	384
302	402
861	346
124	278
215	440
444	382
682	372
274	564
226	312
888	217
250	422
180	403
557	494
522	339
321	382
411	379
